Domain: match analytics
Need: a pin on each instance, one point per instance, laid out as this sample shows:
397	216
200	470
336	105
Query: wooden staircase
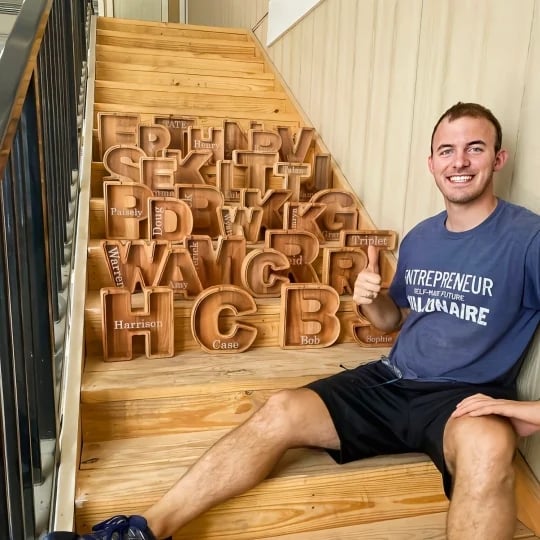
144	421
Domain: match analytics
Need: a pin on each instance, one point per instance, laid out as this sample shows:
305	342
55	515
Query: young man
467	297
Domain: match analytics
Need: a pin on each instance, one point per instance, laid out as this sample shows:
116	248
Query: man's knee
297	418
480	451
281	411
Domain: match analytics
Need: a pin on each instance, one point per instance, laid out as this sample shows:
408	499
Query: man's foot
115	528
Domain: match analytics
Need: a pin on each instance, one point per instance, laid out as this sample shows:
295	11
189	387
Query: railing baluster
20	439
39	153
41	327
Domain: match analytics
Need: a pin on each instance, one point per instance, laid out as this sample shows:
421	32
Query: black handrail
41	94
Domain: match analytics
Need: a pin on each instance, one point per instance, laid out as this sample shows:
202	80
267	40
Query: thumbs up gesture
368	282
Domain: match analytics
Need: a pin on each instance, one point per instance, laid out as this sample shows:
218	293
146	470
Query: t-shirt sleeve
397	288
531	294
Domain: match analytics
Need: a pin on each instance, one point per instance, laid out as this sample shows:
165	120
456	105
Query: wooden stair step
426	527
301	495
218	102
182	449
186	80
222	74
150	28
169	415
120	39
157	58
201	374
196	391
196	92
261	113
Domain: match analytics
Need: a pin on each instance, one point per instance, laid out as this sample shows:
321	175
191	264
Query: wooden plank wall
374	76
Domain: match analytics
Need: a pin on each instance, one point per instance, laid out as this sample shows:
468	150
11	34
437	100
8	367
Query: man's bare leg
479	452
244	457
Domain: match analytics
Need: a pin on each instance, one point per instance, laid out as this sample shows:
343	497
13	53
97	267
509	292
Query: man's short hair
473	110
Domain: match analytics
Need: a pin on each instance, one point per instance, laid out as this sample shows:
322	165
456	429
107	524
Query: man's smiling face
463	159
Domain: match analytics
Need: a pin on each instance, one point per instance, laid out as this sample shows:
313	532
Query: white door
148	10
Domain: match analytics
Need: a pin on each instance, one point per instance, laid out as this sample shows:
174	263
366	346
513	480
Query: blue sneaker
115	528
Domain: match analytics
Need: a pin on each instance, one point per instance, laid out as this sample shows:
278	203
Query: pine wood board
289	504
183	449
142	56
200	92
263	114
228	105
527	494
175	415
426	527
183	81
181	69
228	47
200	374
172	29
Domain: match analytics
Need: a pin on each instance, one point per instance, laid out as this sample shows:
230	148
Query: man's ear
430	164
500	159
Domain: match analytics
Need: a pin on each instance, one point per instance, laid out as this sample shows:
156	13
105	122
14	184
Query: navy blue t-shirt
474	297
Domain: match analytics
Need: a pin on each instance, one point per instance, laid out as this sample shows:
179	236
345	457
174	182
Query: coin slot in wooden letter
159	174
241	220
221	265
152	139
261	140
258	166
116	128
367	335
123	162
134	264
340	213
121	323
170	219
308	316
216	316
126	210
303	217
215	142
300	248
341	266
295	152
178	127
204	202
264	271
271	203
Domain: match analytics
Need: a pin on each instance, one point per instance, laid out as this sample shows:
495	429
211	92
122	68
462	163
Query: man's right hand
368	282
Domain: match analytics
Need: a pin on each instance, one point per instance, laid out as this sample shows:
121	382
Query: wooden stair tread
118	38
199	92
149	28
426	527
184	448
218	102
275	116
294	502
180	68
168	79
153	57
202	374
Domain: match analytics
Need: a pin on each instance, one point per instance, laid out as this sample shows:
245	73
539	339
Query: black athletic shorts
375	412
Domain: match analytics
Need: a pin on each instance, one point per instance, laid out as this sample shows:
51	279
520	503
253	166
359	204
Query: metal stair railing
42	92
